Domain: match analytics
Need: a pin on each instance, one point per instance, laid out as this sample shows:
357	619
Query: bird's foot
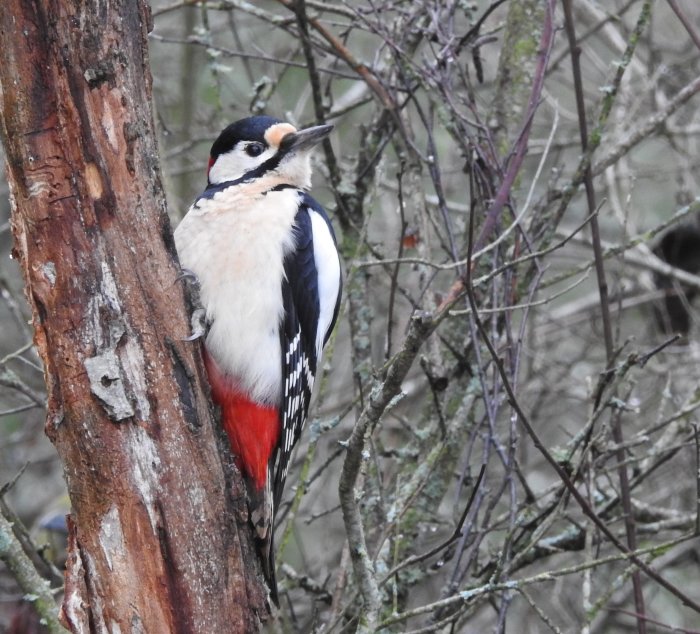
186	274
198	324
198	320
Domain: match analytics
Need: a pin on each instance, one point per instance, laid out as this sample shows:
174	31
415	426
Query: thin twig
645	129
588	180
383	392
616	419
519	150
490	588
566	480
314	79
697	479
344	53
198	41
659	624
27	577
596	135
414	559
687	24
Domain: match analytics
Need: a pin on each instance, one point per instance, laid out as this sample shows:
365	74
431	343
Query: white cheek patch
232	165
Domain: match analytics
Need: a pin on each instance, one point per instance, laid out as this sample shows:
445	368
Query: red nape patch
253	429
211	162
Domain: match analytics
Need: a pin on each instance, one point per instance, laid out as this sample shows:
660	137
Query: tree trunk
158	542
516	70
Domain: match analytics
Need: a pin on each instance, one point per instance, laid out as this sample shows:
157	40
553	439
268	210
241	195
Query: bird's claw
198	319
186	274
198	323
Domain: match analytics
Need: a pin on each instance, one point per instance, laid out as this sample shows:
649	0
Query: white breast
235	244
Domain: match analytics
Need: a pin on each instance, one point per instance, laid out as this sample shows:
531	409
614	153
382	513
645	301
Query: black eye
254	149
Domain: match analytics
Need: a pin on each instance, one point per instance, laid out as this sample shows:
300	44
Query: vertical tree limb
158	544
615	423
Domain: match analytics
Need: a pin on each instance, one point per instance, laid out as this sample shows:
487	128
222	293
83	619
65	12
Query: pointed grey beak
304	139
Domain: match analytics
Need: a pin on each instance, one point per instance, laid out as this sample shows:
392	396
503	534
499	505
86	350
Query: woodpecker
265	256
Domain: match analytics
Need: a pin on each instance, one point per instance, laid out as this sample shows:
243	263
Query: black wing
300	294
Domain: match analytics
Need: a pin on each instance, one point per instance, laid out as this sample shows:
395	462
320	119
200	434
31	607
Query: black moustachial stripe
262	169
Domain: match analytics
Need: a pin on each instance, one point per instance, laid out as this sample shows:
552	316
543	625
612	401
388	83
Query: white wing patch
328	267
310	296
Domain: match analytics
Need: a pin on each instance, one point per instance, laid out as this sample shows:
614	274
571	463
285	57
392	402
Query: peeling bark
158	541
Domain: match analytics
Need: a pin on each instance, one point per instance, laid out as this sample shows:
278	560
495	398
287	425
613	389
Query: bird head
259	147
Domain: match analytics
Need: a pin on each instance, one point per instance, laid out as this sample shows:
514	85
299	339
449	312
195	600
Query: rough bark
159	533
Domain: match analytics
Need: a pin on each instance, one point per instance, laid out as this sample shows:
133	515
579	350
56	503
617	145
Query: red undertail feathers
253	431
